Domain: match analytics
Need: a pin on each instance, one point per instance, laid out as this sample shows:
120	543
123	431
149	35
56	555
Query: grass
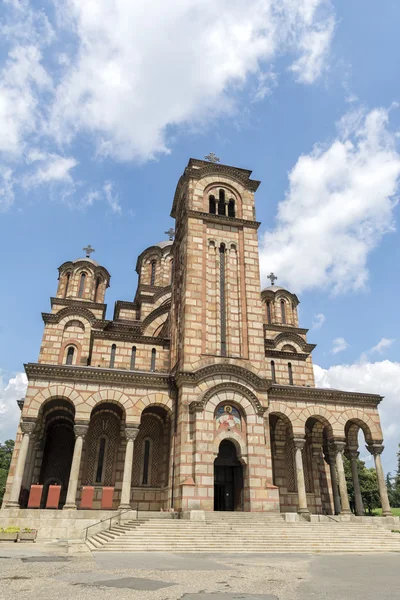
395	512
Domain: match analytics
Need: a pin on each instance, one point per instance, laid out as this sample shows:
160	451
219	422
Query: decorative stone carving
27	427
81	430
132	432
337	446
199	405
299	442
375	448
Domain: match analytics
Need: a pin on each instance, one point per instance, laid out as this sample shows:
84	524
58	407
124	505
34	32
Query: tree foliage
368	485
6	450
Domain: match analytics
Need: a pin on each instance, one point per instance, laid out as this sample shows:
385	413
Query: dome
164	244
86	259
274	288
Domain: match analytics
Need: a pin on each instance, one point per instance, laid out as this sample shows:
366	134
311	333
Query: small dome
274	288
164	244
86	259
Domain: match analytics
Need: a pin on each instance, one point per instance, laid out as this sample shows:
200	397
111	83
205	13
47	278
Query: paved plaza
48	573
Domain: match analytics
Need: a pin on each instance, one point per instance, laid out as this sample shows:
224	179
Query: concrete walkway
46	571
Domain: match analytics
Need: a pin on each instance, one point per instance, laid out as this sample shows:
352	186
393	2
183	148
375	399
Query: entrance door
228	479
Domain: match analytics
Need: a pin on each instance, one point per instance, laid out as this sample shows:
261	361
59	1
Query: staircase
244	532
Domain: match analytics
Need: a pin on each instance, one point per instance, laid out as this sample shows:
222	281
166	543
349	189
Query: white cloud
54	168
6	188
318	321
315	47
376	378
339	205
339	344
11	391
381	346
112	197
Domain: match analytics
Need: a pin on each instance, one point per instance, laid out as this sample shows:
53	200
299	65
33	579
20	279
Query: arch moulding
236	440
236	388
62	392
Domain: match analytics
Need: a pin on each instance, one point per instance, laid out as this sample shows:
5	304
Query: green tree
368	485
6	451
390	489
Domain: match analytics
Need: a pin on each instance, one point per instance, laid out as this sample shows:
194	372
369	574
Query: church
199	394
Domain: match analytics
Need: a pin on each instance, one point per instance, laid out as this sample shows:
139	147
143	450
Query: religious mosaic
228	417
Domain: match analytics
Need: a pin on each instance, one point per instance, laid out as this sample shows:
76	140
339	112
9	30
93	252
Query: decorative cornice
130	336
199	405
285	354
222	219
97	375
288	328
70	310
289	336
224	369
79	302
322	395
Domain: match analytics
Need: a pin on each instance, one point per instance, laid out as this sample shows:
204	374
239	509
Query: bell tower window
153	360
133	357
96	293
81	285
212	205
112	355
273	374
221	203
269	312
290	371
67	278
283	312
231	208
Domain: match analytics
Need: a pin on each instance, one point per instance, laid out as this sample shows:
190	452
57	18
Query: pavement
46	571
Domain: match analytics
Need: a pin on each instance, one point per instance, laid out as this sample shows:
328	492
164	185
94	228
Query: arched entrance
228	478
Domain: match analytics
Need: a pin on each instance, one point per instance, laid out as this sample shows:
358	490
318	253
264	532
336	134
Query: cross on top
170	233
212	158
88	249
272	277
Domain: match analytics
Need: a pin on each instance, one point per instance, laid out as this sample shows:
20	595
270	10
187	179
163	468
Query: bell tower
216	309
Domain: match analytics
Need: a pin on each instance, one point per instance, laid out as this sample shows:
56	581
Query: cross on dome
170	233
88	250
212	158
272	277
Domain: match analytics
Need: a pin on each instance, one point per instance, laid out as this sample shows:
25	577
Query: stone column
353	456
335	488
338	449
301	486
130	434
33	447
27	428
80	432
376	450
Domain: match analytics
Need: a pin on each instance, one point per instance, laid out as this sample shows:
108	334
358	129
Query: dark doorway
228	478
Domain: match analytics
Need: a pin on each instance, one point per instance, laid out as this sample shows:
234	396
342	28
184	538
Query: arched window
153	360
96	293
153	272
283	312
221	203
269	312
212	205
100	460
273	375
112	355
82	285
146	462
133	357
290	370
67	278
231	208
70	355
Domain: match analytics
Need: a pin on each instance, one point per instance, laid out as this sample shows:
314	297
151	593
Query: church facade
199	394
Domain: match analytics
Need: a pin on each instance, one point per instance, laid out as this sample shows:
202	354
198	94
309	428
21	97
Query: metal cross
170	233
212	158
272	277
88	250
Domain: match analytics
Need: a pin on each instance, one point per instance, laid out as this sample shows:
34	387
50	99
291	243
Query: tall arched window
133	357
231	208
100	460
283	312
146	462
212	205
273	375
67	278
153	272
96	293
153	360
81	285
221	202
269	312
290	370
70	355
112	355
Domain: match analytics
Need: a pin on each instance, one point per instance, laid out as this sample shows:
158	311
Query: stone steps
255	533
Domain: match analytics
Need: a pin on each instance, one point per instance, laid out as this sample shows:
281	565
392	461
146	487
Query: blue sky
102	104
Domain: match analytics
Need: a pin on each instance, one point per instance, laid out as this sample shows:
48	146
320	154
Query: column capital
132	432
337	446
81	429
375	448
27	427
298	442
352	453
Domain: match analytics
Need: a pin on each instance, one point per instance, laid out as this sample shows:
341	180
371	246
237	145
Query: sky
103	102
